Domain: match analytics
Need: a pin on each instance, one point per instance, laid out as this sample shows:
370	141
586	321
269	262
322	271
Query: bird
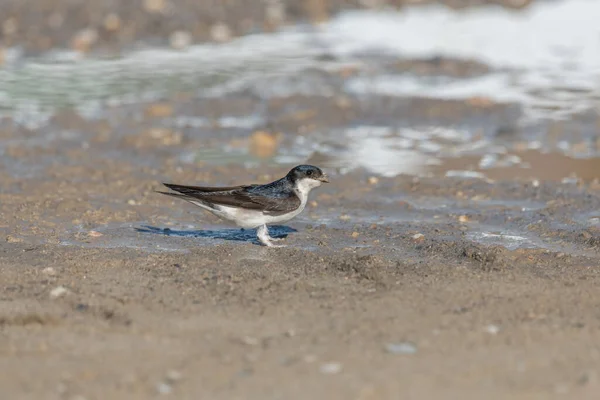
255	206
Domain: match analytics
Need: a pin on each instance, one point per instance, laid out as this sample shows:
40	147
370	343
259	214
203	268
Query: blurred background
455	248
456	87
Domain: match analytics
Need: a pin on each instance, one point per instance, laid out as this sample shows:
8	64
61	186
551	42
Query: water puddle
509	240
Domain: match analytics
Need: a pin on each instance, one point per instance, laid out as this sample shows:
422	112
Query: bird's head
307	177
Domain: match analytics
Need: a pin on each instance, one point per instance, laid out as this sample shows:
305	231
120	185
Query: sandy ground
414	287
425	287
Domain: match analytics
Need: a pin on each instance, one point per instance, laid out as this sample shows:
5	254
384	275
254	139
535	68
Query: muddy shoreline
454	254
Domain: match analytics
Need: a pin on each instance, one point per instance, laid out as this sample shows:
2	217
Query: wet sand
110	289
453	255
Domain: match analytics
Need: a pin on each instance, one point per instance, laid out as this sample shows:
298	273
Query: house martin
255	206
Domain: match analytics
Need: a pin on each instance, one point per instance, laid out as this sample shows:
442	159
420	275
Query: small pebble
263	144
12	239
164	388
401	348
154	6
94	234
49	271
331	368
250	341
463	219
174	376
160	110
220	32
373	180
290	333
112	22
58	291
492	329
131	202
344	217
418	236
180	40
85	39
355	234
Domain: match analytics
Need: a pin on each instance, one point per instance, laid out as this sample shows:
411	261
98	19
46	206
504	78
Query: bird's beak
324	178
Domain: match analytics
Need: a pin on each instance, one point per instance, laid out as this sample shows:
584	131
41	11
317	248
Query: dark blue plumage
255	206
275	198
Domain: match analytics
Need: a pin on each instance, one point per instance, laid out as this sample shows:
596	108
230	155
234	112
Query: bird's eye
309	173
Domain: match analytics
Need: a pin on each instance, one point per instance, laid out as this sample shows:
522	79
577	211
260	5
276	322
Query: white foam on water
546	57
557	35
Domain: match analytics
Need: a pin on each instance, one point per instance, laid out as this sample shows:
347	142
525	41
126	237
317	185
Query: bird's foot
263	237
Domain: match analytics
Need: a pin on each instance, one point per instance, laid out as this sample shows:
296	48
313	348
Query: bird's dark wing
253	197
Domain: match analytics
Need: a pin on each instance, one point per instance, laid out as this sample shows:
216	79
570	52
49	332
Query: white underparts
255	218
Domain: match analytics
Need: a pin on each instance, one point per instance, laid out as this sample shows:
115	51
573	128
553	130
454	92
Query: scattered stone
355	234
463	219
313	203
373	180
180	40
263	144
49	271
84	40
401	348
419	237
492	329
112	22
58	291
155	6
95	234
164	388
220	32
250	341
131	202
331	368
345	217
173	376
13	239
290	333
159	110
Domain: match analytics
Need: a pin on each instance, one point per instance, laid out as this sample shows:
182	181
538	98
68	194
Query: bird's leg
263	236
